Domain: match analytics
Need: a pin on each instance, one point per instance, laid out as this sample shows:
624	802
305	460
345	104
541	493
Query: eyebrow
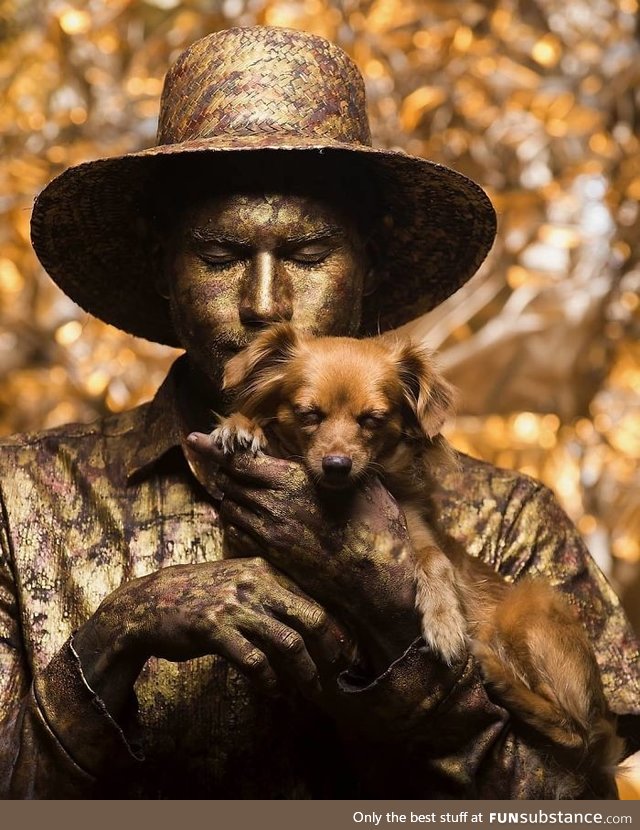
328	232
199	234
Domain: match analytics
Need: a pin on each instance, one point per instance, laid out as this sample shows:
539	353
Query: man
262	202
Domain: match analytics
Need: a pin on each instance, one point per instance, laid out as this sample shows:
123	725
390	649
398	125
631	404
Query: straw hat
242	90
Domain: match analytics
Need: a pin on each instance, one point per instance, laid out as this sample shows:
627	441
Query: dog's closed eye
373	420
308	416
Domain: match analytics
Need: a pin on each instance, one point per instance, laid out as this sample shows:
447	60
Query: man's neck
200	398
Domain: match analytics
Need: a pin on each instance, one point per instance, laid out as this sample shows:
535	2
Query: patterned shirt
87	507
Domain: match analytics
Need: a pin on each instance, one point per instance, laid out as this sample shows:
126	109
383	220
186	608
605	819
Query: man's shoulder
36	446
498	514
477	480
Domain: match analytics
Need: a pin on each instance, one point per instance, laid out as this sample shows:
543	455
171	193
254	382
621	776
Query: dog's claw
230	436
451	645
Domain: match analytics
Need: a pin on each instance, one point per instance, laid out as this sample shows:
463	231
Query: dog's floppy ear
429	396
263	361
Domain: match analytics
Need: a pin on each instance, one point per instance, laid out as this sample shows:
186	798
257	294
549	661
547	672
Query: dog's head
342	405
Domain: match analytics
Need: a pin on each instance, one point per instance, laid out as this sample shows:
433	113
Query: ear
429	396
262	363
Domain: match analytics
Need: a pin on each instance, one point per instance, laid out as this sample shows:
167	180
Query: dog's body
351	408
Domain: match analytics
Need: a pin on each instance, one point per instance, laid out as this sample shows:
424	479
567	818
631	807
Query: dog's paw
444	627
446	638
239	433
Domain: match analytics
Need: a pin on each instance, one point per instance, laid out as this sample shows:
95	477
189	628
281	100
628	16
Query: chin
218	349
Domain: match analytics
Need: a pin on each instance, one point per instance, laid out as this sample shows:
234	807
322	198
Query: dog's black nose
337	466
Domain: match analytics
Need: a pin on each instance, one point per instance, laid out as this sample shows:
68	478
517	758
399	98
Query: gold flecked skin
87	507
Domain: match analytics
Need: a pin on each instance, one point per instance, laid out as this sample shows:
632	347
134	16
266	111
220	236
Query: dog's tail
536	657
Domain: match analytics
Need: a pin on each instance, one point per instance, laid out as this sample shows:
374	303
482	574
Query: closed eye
308	416
373	420
221	254
309	255
313	251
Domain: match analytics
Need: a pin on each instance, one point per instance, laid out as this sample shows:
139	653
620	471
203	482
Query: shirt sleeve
441	725
426	730
543	542
55	735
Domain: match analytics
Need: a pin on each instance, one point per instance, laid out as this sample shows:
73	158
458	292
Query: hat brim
88	229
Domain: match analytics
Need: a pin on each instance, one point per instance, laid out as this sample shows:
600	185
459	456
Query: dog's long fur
381	404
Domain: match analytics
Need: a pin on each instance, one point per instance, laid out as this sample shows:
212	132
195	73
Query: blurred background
537	100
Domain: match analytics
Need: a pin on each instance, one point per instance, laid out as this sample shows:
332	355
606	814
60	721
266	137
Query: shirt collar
162	428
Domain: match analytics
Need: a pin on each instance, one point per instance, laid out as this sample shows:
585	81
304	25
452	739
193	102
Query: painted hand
349	551
242	609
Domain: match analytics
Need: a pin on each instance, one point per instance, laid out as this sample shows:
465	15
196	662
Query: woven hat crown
263	81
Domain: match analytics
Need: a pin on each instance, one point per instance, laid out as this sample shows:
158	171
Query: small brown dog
354	408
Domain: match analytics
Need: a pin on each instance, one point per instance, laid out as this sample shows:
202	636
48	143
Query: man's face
242	261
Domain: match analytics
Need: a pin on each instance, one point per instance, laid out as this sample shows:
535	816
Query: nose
266	295
337	467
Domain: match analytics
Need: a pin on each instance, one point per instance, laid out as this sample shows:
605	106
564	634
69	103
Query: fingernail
192	438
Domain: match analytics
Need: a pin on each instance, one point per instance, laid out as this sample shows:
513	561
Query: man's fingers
239	545
264	471
287	652
257	470
266	648
242	517
250	660
265	503
204	443
239	492
257	524
264	527
326	641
